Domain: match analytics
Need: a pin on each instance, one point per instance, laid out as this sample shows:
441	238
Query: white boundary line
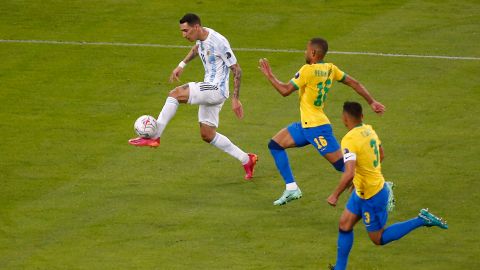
57	42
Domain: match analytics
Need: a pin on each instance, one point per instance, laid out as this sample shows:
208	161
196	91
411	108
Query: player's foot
139	141
288	195
432	220
250	166
331	267
391	199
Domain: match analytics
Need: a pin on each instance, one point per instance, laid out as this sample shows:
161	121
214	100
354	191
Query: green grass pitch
75	195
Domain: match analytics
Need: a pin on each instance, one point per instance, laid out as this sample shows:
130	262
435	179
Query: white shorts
210	101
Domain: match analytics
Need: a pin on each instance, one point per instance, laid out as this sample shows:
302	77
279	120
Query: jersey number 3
373	144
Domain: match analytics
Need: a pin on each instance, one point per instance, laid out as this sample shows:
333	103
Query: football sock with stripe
168	111
344	245
400	229
227	146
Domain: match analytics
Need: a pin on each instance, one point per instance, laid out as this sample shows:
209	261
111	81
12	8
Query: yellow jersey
362	144
314	82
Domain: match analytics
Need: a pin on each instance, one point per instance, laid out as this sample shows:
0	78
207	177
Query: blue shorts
373	211
320	137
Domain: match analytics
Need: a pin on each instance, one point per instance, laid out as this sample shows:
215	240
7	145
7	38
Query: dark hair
191	19
353	108
321	44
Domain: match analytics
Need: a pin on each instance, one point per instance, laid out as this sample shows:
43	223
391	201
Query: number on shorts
321	142
367	217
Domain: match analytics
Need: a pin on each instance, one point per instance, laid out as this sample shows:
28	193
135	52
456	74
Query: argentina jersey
217	57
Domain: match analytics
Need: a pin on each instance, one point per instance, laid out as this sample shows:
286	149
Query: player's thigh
291	136
323	139
209	115
203	93
351	214
284	139
374	211
181	93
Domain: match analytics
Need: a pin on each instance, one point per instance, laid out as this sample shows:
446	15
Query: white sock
292	186
226	145
168	111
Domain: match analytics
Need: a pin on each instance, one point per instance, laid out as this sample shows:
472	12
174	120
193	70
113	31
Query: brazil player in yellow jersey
314	82
363	155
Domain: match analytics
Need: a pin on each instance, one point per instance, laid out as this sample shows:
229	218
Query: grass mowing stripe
237	49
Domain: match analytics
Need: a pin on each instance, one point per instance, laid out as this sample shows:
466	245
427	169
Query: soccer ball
146	126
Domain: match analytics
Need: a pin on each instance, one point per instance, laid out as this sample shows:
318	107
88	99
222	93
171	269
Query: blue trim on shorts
373	211
304	136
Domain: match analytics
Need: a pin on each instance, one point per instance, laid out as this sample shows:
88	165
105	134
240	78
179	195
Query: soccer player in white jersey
218	59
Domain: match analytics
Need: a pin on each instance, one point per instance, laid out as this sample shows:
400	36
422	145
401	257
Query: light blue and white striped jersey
217	57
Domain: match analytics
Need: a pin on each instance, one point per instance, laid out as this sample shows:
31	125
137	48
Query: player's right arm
345	182
350	161
284	89
179	69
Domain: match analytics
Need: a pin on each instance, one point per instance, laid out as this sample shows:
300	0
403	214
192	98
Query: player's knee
273	145
175	92
207	136
377	241
339	165
344	225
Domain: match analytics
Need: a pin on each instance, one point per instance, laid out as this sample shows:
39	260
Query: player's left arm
345	182
376	106
237	78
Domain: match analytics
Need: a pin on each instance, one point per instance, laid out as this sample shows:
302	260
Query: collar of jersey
209	32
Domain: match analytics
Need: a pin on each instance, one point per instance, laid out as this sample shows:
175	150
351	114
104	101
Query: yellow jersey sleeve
348	145
338	74
301	78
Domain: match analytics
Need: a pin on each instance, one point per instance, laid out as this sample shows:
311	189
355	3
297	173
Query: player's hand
264	66
377	107
332	200
175	76
237	108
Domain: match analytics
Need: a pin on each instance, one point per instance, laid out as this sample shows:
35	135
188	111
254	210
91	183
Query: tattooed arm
237	77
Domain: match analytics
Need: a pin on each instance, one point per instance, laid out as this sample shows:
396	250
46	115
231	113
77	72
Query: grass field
75	195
